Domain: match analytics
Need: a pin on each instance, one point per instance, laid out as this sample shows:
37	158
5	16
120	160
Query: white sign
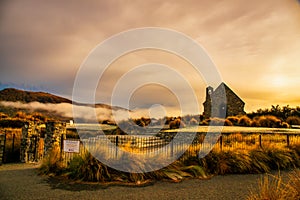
71	146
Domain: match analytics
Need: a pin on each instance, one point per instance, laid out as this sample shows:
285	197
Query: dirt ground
20	181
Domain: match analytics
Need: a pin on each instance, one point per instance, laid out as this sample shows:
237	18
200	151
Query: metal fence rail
113	146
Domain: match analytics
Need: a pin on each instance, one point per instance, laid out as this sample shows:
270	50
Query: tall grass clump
275	188
281	158
249	161
86	167
52	164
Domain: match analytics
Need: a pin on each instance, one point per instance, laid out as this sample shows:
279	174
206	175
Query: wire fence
114	146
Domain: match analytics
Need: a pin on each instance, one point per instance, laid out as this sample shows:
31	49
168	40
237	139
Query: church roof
227	89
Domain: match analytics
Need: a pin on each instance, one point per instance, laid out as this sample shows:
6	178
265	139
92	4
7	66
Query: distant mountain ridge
16	95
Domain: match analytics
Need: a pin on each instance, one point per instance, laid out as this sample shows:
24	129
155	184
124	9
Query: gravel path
20	181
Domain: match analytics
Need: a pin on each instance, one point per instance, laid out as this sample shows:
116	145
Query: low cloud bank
66	110
87	113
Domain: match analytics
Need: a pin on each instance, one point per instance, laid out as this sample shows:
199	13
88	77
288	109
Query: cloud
44	43
66	110
87	113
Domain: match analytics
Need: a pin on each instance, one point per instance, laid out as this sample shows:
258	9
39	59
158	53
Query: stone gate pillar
54	131
27	130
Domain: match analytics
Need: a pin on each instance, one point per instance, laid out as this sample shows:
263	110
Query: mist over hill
14	100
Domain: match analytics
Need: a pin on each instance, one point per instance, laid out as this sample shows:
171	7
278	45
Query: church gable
233	104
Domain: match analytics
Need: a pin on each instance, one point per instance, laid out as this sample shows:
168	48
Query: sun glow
279	81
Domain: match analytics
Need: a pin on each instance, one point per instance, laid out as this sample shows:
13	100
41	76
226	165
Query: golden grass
273	187
239	155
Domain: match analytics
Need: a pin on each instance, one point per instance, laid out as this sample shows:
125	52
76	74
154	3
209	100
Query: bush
228	123
193	122
269	121
177	123
255	123
204	123
11	123
285	125
233	119
293	120
244	121
217	122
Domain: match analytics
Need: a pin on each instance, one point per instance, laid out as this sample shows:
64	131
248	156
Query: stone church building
222	107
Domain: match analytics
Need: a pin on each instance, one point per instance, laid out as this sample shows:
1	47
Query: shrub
11	123
244	121
233	119
293	120
255	123
177	123
269	121
228	123
285	125
217	122
193	122
3	115
204	122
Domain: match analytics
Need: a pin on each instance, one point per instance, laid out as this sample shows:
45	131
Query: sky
254	45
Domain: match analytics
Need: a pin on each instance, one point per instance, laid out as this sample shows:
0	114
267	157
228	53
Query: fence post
117	144
117	141
61	144
172	148
13	143
260	141
288	139
35	149
221	142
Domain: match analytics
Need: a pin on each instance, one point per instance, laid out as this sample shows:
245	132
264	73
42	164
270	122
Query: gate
2	147
12	145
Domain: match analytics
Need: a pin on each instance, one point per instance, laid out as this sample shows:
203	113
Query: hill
26	97
14	95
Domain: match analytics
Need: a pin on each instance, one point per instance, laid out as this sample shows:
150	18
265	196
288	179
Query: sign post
71	146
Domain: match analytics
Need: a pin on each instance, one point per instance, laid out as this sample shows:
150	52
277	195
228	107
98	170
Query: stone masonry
221	100
55	131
